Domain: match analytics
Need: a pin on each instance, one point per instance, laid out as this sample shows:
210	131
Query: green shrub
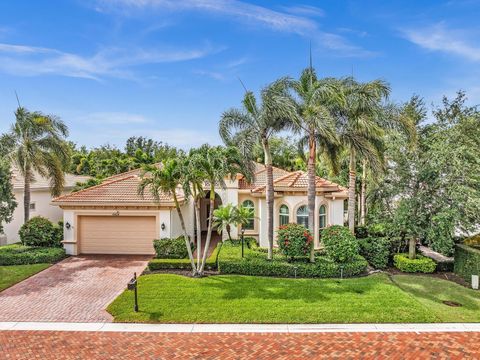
376	251
26	255
421	264
255	263
167	248
294	240
39	231
340	244
183	264
361	232
467	261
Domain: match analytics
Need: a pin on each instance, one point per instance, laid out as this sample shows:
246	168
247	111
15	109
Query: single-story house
40	201
112	218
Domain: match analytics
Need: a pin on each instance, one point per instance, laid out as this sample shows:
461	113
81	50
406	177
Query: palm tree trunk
411	248
199	229
270	196
210	227
363	193
27	194
351	191
185	235
311	189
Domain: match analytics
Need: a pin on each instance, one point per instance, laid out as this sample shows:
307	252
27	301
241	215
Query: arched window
283	215
302	216
248	204
322	217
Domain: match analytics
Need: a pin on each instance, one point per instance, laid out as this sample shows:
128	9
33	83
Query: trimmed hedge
183	264
421	264
294	240
467	261
340	244
26	255
167	248
41	232
376	251
255	263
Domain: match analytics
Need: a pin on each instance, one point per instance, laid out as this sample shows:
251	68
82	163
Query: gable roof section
119	189
290	181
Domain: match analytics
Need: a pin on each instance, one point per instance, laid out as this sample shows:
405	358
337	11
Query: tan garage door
117	234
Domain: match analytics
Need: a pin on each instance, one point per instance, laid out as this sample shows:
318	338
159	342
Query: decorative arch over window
284	217
251	222
322	217
302	216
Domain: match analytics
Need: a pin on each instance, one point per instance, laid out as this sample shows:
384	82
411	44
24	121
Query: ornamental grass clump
294	241
340	244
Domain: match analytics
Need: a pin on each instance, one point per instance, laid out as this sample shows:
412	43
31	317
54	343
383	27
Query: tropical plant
294	240
7	197
39	231
216	163
254	124
359	131
223	218
315	123
340	244
36	142
166	179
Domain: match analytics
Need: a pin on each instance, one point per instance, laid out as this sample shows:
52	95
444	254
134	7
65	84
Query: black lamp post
243	233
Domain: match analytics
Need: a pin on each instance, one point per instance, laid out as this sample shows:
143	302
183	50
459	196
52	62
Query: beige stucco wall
42	199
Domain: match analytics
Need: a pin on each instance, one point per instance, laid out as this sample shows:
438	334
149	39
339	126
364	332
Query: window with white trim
251	222
322	217
284	217
302	216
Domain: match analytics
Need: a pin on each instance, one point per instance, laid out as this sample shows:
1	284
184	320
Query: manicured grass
10	275
169	298
431	292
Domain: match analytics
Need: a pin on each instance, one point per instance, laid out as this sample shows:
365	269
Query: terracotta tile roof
122	189
40	182
289	181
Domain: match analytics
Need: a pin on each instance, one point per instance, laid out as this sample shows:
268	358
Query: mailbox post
243	233
132	285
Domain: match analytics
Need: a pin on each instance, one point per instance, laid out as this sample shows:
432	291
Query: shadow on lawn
308	290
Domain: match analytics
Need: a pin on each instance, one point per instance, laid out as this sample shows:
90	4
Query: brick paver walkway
120	345
75	290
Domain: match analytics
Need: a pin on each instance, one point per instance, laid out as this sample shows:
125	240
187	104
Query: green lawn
431	292
169	298
10	275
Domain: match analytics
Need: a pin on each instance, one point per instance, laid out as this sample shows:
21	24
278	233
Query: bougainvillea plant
294	240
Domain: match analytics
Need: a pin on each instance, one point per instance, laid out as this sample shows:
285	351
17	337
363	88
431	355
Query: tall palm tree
167	179
254	124
36	143
316	98
217	163
359	130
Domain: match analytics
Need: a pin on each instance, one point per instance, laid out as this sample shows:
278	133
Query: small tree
223	218
294	240
7	198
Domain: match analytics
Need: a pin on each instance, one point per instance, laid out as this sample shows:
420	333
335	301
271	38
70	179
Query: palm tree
359	130
243	215
224	217
217	163
254	124
167	179
316	98
36	143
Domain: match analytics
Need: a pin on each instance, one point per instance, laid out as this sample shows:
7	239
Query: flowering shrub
294	240
340	244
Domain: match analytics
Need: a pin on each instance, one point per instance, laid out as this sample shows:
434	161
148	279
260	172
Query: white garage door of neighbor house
117	234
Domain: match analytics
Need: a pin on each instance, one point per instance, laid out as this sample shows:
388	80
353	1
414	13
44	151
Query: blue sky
167	69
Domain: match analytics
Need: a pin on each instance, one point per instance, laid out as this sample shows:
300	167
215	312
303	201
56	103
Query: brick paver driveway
121	345
77	289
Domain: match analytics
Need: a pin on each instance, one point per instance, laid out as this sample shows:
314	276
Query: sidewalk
239	328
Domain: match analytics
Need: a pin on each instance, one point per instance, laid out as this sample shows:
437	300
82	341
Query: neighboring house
111	218
40	202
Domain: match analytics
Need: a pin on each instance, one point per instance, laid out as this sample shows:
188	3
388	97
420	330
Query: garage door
117	234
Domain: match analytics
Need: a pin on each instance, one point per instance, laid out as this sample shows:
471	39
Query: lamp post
243	232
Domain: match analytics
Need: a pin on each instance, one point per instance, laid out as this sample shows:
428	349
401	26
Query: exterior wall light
67	225
163	227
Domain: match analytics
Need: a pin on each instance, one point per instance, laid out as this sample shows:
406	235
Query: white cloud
440	38
109	62
293	20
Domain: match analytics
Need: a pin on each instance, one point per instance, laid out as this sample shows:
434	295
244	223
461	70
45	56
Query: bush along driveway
169	298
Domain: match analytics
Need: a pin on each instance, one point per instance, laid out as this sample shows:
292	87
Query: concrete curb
238	328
